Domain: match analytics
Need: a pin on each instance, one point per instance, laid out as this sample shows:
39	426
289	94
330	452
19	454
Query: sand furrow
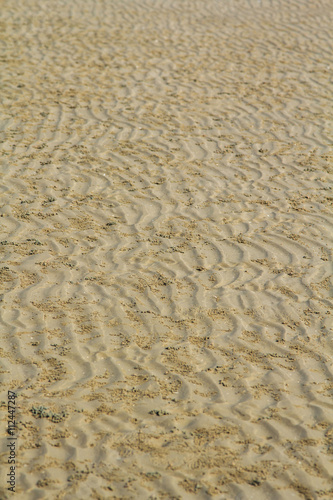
166	248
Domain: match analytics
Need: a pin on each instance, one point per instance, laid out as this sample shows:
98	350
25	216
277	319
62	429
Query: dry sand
165	248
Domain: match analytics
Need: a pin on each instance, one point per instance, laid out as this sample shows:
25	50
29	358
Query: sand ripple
165	248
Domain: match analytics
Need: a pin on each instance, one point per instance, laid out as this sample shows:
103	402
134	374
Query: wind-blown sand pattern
165	248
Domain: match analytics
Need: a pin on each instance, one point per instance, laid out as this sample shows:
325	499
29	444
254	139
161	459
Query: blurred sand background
166	229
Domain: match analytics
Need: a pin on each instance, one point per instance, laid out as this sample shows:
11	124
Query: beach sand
166	229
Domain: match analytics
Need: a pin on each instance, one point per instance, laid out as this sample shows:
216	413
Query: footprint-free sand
166	235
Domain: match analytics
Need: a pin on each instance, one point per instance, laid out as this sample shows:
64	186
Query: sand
166	235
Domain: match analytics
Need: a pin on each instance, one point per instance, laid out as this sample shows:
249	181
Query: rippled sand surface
166	229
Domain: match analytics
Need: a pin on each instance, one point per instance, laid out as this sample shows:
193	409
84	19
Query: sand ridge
166	236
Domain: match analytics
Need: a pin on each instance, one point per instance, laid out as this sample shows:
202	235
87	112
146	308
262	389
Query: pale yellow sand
165	235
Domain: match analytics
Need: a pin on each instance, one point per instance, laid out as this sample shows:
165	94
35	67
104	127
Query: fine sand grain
166	226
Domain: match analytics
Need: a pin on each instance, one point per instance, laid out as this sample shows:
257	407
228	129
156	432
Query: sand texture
166	236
